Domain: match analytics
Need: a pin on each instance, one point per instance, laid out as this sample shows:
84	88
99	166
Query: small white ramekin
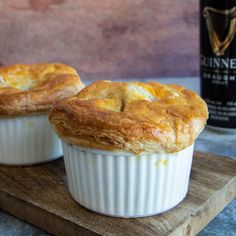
26	140
125	185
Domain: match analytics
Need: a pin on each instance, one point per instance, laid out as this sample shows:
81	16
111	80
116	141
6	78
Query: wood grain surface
103	39
39	196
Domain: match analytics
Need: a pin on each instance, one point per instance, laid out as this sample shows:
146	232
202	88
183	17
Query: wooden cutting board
39	196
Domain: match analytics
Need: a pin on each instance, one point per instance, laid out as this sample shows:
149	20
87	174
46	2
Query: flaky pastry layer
33	88
131	116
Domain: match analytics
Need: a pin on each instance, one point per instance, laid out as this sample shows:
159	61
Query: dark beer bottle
218	61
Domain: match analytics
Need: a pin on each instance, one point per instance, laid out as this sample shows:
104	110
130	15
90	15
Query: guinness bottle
218	61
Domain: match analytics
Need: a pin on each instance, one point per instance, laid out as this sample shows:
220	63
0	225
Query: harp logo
221	27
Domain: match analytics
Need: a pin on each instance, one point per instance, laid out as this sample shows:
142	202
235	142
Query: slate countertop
209	141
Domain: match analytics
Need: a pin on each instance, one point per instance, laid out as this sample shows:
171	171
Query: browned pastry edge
105	116
60	82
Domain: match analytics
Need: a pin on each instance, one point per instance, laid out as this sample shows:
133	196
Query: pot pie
128	146
27	91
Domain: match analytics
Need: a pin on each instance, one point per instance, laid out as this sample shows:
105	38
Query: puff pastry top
34	88
131	116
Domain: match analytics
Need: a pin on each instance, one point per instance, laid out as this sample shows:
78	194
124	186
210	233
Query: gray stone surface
224	224
11	226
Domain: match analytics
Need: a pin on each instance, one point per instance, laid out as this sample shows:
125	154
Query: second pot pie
128	146
27	91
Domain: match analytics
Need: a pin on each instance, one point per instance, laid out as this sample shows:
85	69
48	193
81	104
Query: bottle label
218	60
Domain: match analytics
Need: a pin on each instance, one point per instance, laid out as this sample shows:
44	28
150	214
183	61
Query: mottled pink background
103	38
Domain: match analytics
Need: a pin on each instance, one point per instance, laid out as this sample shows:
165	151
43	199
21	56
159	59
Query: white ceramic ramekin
27	140
125	185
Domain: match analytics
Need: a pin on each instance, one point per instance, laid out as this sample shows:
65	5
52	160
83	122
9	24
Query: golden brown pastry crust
131	116
26	89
